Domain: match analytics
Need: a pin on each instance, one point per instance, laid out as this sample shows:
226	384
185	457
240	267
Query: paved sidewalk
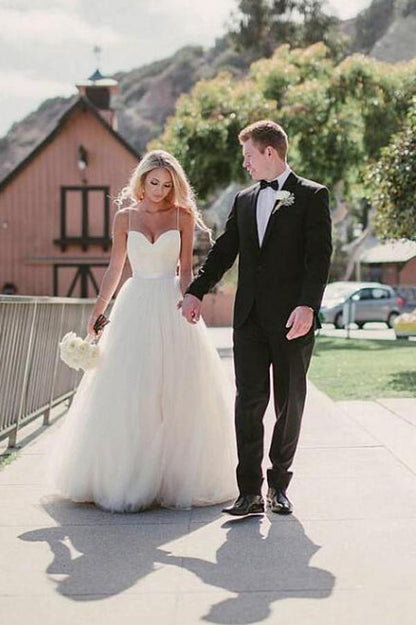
346	556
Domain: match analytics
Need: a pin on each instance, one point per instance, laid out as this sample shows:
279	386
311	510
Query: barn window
84	217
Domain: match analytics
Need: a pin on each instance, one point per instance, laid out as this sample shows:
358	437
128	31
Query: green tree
250	30
203	132
314	24
392	182
258	26
338	117
383	92
325	130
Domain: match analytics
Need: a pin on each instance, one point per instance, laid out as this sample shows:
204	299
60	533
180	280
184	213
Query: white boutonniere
283	198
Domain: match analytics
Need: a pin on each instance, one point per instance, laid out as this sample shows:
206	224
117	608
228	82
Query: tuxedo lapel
289	185
290	182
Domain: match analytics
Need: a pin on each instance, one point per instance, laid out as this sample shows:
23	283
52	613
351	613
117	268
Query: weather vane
97	51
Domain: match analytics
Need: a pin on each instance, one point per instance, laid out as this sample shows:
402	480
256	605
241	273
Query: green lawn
364	369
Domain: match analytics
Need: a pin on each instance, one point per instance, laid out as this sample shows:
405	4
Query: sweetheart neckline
156	240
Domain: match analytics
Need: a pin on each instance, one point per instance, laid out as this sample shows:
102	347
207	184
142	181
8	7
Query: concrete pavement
347	554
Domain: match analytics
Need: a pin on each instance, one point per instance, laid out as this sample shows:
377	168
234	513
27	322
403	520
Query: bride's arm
187	225
114	270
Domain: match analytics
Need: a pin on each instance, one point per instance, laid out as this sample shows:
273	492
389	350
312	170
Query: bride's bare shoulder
124	213
122	219
126	210
186	215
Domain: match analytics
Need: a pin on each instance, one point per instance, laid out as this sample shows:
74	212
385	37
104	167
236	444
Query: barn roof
81	103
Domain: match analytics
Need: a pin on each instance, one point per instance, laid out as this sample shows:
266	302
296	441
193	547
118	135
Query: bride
152	424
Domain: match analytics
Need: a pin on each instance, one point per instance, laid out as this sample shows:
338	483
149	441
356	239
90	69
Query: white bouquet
79	353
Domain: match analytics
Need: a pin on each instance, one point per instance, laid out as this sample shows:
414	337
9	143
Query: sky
46	46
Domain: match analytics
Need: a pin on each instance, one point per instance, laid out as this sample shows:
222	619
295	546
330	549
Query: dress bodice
153	260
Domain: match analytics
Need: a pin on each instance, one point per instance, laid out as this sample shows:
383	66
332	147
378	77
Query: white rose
74	363
83	349
282	195
68	336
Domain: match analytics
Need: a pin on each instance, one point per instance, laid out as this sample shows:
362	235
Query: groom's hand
191	308
299	322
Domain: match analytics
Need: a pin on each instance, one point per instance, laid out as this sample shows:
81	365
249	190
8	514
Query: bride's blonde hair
181	193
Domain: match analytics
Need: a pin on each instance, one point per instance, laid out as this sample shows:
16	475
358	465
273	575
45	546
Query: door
363	304
383	304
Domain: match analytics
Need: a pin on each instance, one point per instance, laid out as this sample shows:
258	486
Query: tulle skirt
153	423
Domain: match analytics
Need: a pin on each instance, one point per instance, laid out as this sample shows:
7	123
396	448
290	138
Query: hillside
385	30
398	43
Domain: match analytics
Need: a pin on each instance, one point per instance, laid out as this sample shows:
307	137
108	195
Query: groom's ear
271	152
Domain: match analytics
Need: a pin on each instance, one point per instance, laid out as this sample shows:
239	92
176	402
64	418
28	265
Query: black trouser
255	350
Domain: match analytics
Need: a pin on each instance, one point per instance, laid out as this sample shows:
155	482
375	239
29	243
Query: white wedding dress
153	423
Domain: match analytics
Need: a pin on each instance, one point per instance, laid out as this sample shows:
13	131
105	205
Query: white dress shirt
265	203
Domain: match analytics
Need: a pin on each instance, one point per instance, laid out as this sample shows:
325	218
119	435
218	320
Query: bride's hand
90	324
191	308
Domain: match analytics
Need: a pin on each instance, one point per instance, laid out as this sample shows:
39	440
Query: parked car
371	301
405	325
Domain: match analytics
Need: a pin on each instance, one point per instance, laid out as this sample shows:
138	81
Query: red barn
55	206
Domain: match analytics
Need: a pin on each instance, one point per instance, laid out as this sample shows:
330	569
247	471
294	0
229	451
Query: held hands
191	308
299	322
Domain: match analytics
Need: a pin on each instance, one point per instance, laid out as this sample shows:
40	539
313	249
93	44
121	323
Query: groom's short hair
264	133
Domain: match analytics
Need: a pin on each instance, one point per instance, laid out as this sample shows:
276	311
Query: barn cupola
98	89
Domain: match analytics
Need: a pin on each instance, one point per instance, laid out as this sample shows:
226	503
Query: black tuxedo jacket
291	266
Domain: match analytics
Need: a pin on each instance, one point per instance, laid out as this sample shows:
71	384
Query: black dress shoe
246	504
278	501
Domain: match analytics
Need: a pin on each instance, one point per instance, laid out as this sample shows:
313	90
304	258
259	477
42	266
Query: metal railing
33	379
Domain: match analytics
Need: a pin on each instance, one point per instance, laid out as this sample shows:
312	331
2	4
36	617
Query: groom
281	229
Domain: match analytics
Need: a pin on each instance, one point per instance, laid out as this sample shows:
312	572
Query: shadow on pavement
100	553
260	568
260	560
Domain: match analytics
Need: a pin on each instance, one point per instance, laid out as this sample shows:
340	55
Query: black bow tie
274	184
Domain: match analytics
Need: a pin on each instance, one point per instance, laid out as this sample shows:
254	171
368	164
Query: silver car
369	301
